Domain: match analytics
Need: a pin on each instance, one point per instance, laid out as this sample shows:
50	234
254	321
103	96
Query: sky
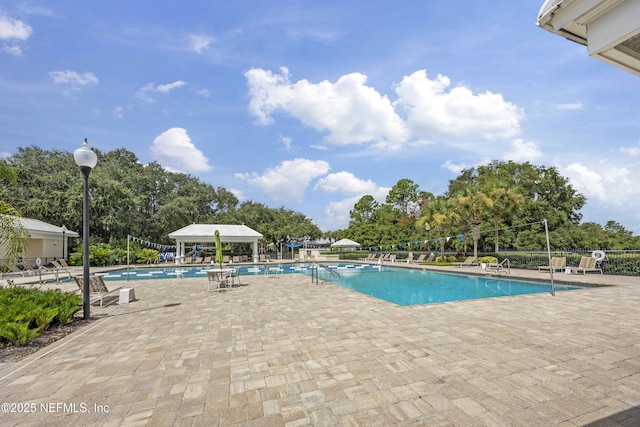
309	105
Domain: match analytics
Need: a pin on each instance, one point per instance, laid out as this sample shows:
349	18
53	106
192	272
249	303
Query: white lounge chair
588	264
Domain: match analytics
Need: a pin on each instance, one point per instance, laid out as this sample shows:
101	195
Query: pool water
410	287
401	286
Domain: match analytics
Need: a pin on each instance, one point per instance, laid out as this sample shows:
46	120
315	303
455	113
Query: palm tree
438	213
505	201
13	236
474	203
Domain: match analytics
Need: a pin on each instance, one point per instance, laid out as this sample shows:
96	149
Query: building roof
609	28
206	233
39	229
345	243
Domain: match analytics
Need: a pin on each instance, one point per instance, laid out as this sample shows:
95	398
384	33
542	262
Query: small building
46	241
205	233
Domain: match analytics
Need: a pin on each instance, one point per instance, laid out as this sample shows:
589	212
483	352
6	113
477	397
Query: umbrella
218	249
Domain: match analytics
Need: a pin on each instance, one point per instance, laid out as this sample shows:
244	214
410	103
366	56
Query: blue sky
312	104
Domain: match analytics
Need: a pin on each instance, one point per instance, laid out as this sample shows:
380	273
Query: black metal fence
615	262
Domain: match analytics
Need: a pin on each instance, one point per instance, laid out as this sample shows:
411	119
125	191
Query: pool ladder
315	273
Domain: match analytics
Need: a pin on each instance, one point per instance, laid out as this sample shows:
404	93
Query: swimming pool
401	286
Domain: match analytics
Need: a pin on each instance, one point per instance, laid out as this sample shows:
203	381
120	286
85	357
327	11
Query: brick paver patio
283	351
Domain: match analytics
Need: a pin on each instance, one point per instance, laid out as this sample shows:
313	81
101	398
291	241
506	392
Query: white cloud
455	168
348	183
570	106
169	86
13	29
288	181
145	92
74	78
523	151
174	150
337	212
431	109
353	113
631	151
350	111
14	50
609	184
198	43
205	93
286	141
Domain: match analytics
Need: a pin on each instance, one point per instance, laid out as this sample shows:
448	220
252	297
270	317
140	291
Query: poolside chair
217	279
431	257
14	269
234	276
368	258
469	262
63	263
503	266
410	258
557	264
391	258
419	260
98	290
588	264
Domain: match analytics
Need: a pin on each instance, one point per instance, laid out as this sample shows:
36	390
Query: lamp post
64	231
87	160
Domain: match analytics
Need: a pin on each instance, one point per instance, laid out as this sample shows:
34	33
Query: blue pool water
400	286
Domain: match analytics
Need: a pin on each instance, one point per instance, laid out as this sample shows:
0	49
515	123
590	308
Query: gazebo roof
345	243
206	233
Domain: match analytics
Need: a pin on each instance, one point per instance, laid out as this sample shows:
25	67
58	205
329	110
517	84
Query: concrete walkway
282	351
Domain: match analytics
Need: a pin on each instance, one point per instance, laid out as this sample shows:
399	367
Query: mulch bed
15	353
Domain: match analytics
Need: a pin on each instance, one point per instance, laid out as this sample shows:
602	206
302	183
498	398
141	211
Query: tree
363	210
13	236
505	201
402	195
438	214
474	204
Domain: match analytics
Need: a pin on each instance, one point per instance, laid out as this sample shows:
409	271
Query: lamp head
84	156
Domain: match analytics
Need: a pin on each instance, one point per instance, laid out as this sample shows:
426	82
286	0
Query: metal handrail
315	278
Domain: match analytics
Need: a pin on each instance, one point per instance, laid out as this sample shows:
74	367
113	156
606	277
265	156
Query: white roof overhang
609	28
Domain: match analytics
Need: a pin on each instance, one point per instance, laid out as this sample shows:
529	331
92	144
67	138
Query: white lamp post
87	160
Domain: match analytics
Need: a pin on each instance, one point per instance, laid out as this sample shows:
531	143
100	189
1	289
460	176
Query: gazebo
345	244
201	233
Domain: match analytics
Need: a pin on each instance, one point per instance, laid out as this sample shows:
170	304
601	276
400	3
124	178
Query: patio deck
281	351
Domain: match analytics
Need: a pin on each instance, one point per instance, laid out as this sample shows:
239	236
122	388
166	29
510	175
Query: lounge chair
557	264
431	257
97	289
391	258
588	264
469	262
14	269
503	266
410	258
419	260
63	263
368	258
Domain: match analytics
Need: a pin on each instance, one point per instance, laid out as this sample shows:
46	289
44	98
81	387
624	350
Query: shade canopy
201	233
345	243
